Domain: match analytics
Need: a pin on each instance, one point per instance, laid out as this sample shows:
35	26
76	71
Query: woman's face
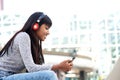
43	32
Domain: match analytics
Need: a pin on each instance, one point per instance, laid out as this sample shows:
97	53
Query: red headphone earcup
35	26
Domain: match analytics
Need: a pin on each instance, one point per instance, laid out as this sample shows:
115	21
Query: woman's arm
24	45
26	55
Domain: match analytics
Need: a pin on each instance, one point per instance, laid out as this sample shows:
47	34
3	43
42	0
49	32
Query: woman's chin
43	39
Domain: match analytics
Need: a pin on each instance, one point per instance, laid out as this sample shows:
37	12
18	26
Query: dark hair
36	45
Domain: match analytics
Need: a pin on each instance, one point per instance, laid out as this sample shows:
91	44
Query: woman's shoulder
22	35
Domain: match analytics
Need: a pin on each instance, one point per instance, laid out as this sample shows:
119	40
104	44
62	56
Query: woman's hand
63	66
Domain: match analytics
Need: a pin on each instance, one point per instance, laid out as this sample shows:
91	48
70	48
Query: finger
71	64
68	60
67	70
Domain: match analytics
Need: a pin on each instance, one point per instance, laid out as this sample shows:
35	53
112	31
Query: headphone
36	25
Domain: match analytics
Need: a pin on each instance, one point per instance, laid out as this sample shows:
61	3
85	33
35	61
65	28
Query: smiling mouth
45	37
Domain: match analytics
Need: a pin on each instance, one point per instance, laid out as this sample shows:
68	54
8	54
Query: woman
24	50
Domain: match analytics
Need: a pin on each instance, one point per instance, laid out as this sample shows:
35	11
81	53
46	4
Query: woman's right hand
65	66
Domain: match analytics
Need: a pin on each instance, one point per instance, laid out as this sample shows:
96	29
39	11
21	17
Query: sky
61	11
64	7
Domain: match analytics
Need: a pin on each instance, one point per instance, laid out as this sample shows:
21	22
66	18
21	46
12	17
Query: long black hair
36	45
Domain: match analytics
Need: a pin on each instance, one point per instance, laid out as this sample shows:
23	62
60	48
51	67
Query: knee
52	75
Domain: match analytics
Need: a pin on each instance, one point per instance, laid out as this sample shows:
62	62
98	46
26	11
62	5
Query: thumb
68	60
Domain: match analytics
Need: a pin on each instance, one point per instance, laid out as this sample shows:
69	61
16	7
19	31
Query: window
83	25
55	41
71	26
65	40
113	52
8	33
110	24
118	25
104	50
82	37
118	38
113	61
111	38
90	24
75	25
102	25
119	50
74	39
104	38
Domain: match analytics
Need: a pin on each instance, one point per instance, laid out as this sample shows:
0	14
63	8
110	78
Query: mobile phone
73	58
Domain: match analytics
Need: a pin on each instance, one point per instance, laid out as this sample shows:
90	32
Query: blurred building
110	37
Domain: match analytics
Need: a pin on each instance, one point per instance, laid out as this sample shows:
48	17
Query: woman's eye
47	28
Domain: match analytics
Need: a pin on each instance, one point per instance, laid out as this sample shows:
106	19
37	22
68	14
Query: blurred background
87	29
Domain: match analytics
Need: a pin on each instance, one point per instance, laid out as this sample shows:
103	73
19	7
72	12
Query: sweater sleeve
24	45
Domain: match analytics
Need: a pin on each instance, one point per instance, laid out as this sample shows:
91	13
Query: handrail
65	54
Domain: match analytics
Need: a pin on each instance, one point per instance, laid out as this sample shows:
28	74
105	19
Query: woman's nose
48	32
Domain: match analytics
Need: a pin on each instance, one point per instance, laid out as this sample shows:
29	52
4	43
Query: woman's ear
35	26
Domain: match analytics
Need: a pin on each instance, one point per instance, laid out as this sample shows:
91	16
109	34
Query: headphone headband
39	19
